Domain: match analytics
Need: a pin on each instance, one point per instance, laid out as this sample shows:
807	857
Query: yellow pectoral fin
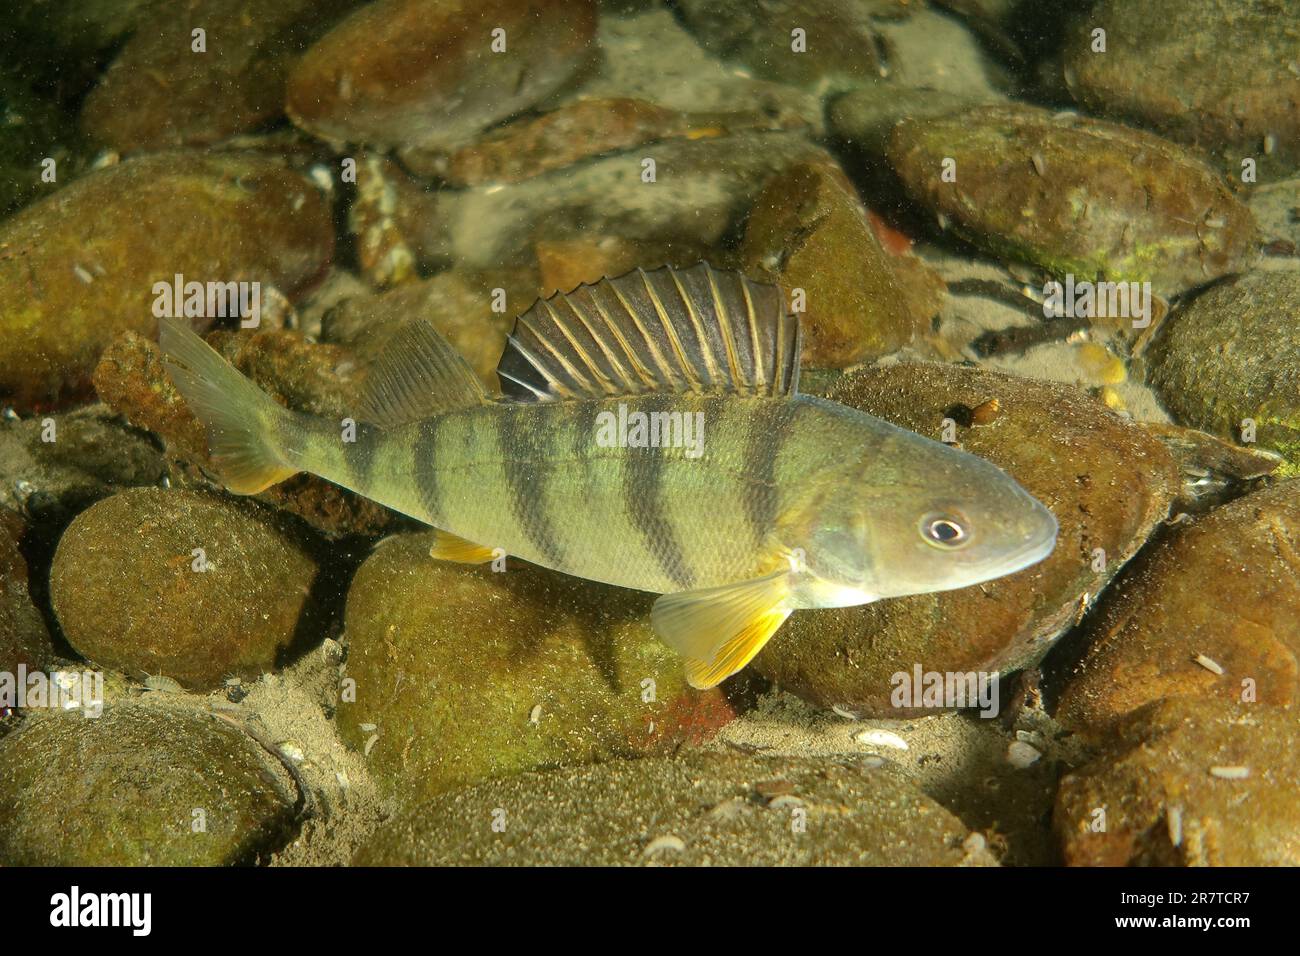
720	630
448	547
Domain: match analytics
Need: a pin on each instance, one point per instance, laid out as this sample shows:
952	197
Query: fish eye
944	531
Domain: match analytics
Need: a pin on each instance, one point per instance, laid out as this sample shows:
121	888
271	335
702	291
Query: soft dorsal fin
693	330
418	375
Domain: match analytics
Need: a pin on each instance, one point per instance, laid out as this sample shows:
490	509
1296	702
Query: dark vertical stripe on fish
525	464
424	470
643	474
359	458
769	429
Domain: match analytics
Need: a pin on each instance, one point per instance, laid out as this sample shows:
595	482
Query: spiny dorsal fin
693	330
418	375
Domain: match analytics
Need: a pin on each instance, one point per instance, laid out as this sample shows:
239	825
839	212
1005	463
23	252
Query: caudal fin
243	422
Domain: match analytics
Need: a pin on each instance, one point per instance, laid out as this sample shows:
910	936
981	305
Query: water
1060	236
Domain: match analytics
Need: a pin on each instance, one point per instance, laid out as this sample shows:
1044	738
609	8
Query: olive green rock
80	265
455	674
1187	782
1233	354
808	231
700	809
1108	482
132	593
1224	589
138	786
1222	75
1075	196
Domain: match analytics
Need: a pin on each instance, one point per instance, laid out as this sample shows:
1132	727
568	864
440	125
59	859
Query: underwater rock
23	637
838	45
808	232
138	786
55	466
582	130
179	583
460	305
1105	479
161	92
863	119
462	674
427	75
699	809
1225	79
1212	611
1187	783
32	130
320	379
1075	196
685	77
386	216
1233	354
79	266
694	192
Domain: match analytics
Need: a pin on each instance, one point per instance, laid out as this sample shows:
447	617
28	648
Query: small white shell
1021	755
1230	773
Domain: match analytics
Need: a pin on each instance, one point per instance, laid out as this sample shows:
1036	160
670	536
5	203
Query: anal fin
449	547
719	630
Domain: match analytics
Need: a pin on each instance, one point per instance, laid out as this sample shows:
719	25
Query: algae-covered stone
1105	479
1222	592
179	583
457	674
138	786
863	119
700	809
162	92
1075	196
314	378
1188	783
835	43
1232	355
24	639
1223	75
54	466
808	232
80	266
427	75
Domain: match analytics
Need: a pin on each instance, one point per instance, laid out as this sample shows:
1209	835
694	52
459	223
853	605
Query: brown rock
1188	783
23	637
808	231
1226	587
160	92
79	267
423	75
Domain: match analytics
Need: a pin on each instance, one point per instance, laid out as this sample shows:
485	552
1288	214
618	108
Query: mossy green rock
138	786
701	809
809	231
79	266
1188	597
129	596
1108	482
462	673
1222	77
1188	782
1233	354
1076	196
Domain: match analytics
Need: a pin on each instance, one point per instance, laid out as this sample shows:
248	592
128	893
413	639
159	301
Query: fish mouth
1039	543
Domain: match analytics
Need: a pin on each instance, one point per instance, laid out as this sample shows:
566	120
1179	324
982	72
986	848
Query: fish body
637	455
